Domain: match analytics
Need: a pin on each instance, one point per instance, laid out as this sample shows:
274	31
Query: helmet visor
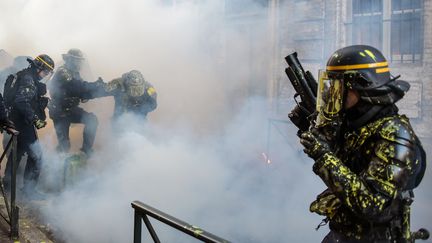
329	97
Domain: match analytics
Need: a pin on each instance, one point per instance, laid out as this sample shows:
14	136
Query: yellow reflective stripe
40	59
382	70
358	66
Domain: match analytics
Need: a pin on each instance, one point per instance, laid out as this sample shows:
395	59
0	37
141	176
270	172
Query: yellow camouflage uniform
368	180
139	99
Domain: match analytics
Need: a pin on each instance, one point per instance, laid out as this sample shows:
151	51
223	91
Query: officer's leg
90	122
61	126
32	169
34	155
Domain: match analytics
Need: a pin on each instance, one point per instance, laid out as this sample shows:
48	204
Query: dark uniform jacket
30	101
370	178
67	91
3	113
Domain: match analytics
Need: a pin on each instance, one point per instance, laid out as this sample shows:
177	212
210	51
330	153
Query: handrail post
14	209
137	227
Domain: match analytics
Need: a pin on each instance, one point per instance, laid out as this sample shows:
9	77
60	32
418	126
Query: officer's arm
357	191
25	93
370	194
151	94
91	90
84	89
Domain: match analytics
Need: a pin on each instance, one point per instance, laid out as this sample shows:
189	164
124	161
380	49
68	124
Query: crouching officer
25	98
366	153
132	94
68	90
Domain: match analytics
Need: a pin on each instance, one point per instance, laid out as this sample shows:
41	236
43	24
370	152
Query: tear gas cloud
199	157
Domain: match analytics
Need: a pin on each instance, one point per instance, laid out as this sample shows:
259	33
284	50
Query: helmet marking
371	54
41	60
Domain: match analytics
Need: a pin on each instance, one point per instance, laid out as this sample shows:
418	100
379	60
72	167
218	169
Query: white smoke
196	160
218	183
200	156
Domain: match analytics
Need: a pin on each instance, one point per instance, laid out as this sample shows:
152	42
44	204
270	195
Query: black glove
315	144
298	116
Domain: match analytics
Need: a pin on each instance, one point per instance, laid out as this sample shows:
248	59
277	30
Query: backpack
9	91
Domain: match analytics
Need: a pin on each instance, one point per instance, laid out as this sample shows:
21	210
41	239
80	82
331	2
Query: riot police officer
19	63
132	94
25	98
366	153
68	90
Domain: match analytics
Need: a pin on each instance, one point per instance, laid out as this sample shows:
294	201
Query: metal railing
13	210
142	211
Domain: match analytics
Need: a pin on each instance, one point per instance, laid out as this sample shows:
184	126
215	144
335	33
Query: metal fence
142	211
11	209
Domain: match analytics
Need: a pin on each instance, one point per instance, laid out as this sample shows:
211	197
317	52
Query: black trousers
62	122
27	143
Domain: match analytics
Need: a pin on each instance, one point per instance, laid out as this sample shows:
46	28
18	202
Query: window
367	22
393	26
406	31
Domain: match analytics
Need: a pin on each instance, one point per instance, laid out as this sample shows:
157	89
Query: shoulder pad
387	150
405	165
398	130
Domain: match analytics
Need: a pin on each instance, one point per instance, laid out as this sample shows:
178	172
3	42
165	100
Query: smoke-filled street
218	150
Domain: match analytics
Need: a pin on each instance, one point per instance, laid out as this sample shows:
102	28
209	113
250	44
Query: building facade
250	39
401	29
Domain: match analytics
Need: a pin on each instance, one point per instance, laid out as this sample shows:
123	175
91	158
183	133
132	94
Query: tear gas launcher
305	86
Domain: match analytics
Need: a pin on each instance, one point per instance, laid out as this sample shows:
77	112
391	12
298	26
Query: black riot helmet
367	61
361	68
42	62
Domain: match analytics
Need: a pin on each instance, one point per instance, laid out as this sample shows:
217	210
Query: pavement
30	228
